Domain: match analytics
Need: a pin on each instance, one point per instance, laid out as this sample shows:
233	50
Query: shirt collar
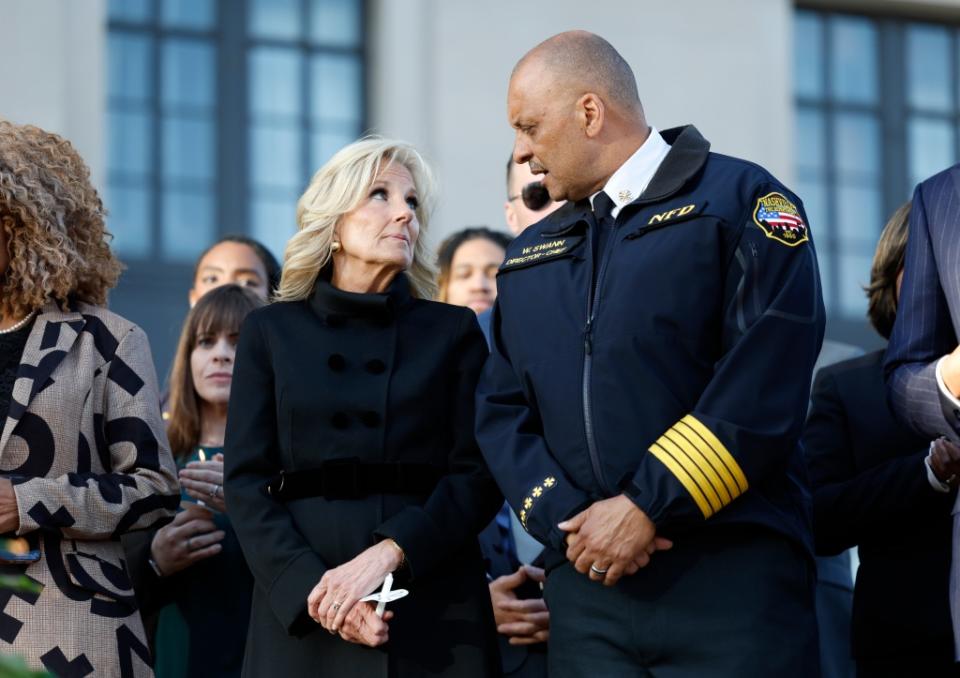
632	177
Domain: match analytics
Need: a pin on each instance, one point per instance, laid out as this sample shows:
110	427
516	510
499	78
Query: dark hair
887	264
222	309
452	243
270	263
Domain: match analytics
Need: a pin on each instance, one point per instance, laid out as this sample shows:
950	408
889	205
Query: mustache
536	167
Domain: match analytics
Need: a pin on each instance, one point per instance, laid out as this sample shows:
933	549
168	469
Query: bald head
583	62
573	105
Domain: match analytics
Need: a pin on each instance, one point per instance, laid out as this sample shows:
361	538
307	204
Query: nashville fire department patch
780	220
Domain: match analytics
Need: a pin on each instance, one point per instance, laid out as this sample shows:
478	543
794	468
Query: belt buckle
275	489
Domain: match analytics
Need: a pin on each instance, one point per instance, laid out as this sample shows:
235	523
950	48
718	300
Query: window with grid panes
877	111
218	113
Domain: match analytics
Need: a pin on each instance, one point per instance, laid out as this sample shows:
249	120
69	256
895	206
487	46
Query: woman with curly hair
83	455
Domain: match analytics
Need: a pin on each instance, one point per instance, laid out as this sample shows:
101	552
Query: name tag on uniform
541	252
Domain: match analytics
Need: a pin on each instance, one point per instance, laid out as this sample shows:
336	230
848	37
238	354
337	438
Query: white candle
203	457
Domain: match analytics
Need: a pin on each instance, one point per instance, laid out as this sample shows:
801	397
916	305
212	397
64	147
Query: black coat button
370	419
375	366
340	420
336	362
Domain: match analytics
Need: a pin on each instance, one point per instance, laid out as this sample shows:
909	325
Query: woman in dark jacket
190	577
876	486
350	452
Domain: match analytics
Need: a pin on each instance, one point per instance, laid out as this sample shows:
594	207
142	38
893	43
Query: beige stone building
205	117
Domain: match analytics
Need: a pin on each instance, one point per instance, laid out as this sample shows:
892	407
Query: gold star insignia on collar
625	196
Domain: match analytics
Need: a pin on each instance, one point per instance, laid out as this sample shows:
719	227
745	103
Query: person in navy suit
870	479
922	363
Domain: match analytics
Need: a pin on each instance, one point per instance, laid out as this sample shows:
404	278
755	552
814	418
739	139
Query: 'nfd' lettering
671	214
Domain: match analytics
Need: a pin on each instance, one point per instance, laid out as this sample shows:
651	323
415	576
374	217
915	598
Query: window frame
893	111
232	45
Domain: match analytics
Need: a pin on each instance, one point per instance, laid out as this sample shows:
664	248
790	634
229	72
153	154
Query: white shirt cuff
943	387
931	476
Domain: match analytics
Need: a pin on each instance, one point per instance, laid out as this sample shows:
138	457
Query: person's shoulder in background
484	320
834	352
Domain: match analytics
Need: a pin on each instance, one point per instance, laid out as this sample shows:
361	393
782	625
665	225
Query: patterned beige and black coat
85	447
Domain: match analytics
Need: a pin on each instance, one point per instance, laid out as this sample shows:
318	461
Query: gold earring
335	246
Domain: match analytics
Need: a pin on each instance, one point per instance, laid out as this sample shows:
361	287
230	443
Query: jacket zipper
593	301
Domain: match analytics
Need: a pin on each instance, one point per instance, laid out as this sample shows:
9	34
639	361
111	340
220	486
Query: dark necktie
602	214
603	207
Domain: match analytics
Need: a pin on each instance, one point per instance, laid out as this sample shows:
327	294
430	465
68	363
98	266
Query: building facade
206	117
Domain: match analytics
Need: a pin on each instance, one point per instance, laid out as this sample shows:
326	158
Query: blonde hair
53	221
337	189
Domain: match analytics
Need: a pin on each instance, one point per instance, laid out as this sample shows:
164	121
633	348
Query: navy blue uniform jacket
678	374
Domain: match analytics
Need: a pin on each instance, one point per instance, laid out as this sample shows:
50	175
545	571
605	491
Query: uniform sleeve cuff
548	502
701	463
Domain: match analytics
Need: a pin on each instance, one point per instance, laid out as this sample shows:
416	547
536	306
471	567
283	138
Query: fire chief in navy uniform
652	347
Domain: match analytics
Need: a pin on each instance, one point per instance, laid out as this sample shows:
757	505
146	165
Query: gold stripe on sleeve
681	474
706	458
713	444
707	484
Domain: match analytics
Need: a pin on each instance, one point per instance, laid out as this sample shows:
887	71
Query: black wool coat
382	378
870	490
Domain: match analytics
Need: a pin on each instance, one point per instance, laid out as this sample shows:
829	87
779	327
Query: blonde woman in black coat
350	452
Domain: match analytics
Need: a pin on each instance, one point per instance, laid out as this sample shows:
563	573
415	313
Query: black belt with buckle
355	479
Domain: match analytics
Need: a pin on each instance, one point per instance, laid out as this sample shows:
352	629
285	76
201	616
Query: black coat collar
333	304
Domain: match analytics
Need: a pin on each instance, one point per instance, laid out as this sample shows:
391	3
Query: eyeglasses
534	196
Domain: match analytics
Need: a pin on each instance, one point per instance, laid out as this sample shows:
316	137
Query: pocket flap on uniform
670	217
